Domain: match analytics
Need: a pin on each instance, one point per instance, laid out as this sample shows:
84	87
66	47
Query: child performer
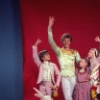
47	70
66	58
95	64
83	86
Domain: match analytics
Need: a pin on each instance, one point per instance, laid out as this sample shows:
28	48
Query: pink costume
45	86
83	86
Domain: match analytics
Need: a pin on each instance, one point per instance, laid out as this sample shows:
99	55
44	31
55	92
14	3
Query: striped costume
94	76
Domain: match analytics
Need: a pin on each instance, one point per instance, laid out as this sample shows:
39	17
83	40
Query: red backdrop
81	19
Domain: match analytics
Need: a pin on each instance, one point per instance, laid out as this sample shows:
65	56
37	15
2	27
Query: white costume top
47	71
66	58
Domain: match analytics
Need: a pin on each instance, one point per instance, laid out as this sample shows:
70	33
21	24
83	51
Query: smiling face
46	57
66	42
83	63
91	53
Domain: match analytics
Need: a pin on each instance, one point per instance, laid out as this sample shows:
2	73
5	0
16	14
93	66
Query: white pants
68	85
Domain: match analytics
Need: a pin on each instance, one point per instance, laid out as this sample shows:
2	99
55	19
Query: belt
68	68
83	82
68	76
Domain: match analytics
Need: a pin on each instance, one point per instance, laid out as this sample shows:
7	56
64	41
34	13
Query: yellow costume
66	59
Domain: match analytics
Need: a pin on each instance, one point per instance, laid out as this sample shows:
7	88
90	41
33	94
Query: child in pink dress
83	86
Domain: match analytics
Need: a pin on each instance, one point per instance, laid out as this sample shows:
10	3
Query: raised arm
35	53
50	37
77	57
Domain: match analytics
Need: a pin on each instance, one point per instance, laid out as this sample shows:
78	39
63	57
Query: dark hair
41	54
66	36
96	51
87	61
96	54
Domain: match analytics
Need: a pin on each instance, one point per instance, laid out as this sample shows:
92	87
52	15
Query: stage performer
94	57
47	70
83	86
66	58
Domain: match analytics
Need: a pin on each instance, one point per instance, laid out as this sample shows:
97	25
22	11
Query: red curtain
79	18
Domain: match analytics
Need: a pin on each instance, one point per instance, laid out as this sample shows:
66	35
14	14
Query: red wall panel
79	18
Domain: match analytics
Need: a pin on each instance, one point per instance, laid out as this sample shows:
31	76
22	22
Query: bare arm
77	57
50	37
97	39
35	53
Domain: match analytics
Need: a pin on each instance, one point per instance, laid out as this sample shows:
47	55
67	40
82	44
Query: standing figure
47	70
66	58
83	86
94	57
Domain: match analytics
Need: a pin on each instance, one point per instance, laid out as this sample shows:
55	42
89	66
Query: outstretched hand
38	42
51	21
97	39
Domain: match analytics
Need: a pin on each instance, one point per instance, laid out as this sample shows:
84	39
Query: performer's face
46	57
66	42
91	53
83	63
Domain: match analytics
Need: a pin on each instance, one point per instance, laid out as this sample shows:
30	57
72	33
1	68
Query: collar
46	62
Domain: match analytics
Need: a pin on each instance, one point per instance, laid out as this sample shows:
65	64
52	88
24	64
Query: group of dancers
80	83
